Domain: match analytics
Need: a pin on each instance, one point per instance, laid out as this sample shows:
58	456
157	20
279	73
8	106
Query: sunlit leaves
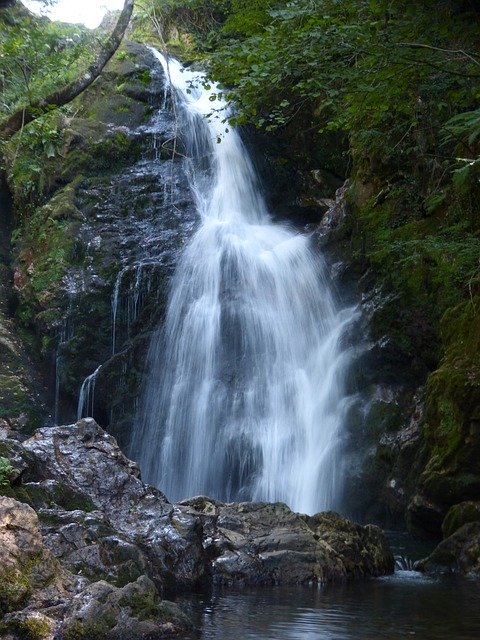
36	56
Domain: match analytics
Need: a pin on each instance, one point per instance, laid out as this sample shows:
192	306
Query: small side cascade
86	399
132	286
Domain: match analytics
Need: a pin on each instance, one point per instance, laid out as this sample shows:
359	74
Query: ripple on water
405	605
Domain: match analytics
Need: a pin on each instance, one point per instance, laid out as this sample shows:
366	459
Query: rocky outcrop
112	208
263	543
40	599
106	539
459	552
138	530
148	530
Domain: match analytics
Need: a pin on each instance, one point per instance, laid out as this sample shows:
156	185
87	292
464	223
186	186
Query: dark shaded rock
263	543
364	549
424	517
21	404
459	553
458	515
383	449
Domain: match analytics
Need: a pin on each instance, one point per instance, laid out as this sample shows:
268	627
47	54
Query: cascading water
245	398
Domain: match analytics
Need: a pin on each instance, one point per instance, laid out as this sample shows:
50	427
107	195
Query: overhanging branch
66	94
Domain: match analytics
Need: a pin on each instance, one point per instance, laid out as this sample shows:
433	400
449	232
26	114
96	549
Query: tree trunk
66	94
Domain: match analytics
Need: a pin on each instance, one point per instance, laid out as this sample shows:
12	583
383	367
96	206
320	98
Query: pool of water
405	605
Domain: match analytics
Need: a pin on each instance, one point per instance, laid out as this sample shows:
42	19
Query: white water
86	397
245	398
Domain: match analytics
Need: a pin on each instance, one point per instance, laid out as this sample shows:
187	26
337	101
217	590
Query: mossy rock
15	589
31	625
19	404
458	515
135	611
452	427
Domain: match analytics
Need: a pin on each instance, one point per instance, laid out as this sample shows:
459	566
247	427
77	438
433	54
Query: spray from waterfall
245	397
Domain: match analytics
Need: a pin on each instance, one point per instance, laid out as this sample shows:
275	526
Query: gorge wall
402	241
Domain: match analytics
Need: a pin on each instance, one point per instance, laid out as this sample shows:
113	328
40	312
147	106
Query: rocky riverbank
89	551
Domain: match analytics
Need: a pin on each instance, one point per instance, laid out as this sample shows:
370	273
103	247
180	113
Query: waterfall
86	398
245	398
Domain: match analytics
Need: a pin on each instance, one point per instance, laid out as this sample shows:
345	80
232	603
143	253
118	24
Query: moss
15	589
145	76
34	627
89	629
458	515
16	399
70	500
143	605
453	395
6	470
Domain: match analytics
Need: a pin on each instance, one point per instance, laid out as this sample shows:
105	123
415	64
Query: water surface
405	605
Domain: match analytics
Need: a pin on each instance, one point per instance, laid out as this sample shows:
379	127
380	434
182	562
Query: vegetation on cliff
386	94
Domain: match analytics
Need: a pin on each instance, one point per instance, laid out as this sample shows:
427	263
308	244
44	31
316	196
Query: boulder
133	528
458	515
264	543
88	461
459	553
29	573
133	612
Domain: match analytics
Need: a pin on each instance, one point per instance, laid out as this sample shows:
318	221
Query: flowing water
245	398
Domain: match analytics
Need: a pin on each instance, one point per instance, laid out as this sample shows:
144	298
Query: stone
133	612
459	553
29	573
88	461
193	543
88	545
458	515
424	517
30	625
265	543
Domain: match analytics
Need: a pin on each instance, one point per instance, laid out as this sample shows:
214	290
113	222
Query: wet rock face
115	211
263	543
127	529
459	552
39	599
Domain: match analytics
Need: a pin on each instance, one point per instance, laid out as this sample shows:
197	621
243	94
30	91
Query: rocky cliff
88	550
98	220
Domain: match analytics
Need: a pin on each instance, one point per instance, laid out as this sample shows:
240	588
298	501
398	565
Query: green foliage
5	472
37	56
28	156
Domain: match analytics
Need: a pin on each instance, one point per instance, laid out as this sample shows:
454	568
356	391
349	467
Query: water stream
245	398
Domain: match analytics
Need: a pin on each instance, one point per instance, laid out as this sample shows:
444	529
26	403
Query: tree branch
66	94
414	45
